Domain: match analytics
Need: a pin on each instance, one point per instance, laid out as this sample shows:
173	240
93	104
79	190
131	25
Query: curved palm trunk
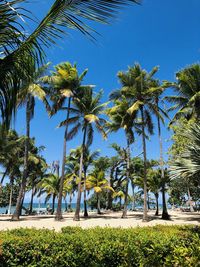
145	166
11	193
15	216
53	204
85	197
78	202
59	208
165	214
124	214
157	207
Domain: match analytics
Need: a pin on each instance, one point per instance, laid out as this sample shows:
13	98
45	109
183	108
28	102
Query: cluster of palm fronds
22	53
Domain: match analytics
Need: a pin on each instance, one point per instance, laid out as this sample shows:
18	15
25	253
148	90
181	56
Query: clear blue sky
164	33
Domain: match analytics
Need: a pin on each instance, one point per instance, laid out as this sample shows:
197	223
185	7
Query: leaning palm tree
120	118
27	97
88	112
22	54
64	84
136	87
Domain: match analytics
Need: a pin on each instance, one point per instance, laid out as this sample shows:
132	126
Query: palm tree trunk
124	214
120	202
133	190
98	204
145	166
148	200
53	204
70	202
59	208
165	214
15	216
31	202
78	202
157	207
4	175
85	197
110	199
190	200
11	193
66	203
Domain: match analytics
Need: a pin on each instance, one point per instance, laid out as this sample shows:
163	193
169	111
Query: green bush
99	247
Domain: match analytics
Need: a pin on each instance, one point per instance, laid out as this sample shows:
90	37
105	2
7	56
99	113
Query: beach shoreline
107	219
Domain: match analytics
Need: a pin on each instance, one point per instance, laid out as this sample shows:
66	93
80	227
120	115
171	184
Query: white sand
111	219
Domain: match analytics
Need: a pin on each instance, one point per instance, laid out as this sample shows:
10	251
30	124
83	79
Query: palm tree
154	184
23	54
158	89
187	87
88	159
97	181
50	186
64	84
27	96
37	171
120	118
136	87
186	166
88	112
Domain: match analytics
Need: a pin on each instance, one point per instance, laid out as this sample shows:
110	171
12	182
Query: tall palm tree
27	97
136	87
120	118
64	83
157	90
23	54
88	112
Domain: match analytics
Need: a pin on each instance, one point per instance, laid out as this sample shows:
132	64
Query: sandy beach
108	219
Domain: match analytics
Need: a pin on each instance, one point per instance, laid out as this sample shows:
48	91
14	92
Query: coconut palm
97	181
49	186
120	118
157	90
137	88
36	173
88	111
27	97
64	84
154	184
22	54
187	101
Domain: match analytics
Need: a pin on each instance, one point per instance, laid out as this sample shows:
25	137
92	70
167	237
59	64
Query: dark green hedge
99	247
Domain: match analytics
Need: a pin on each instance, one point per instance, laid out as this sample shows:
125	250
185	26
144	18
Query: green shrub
101	247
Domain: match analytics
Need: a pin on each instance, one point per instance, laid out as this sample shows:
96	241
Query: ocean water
43	206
